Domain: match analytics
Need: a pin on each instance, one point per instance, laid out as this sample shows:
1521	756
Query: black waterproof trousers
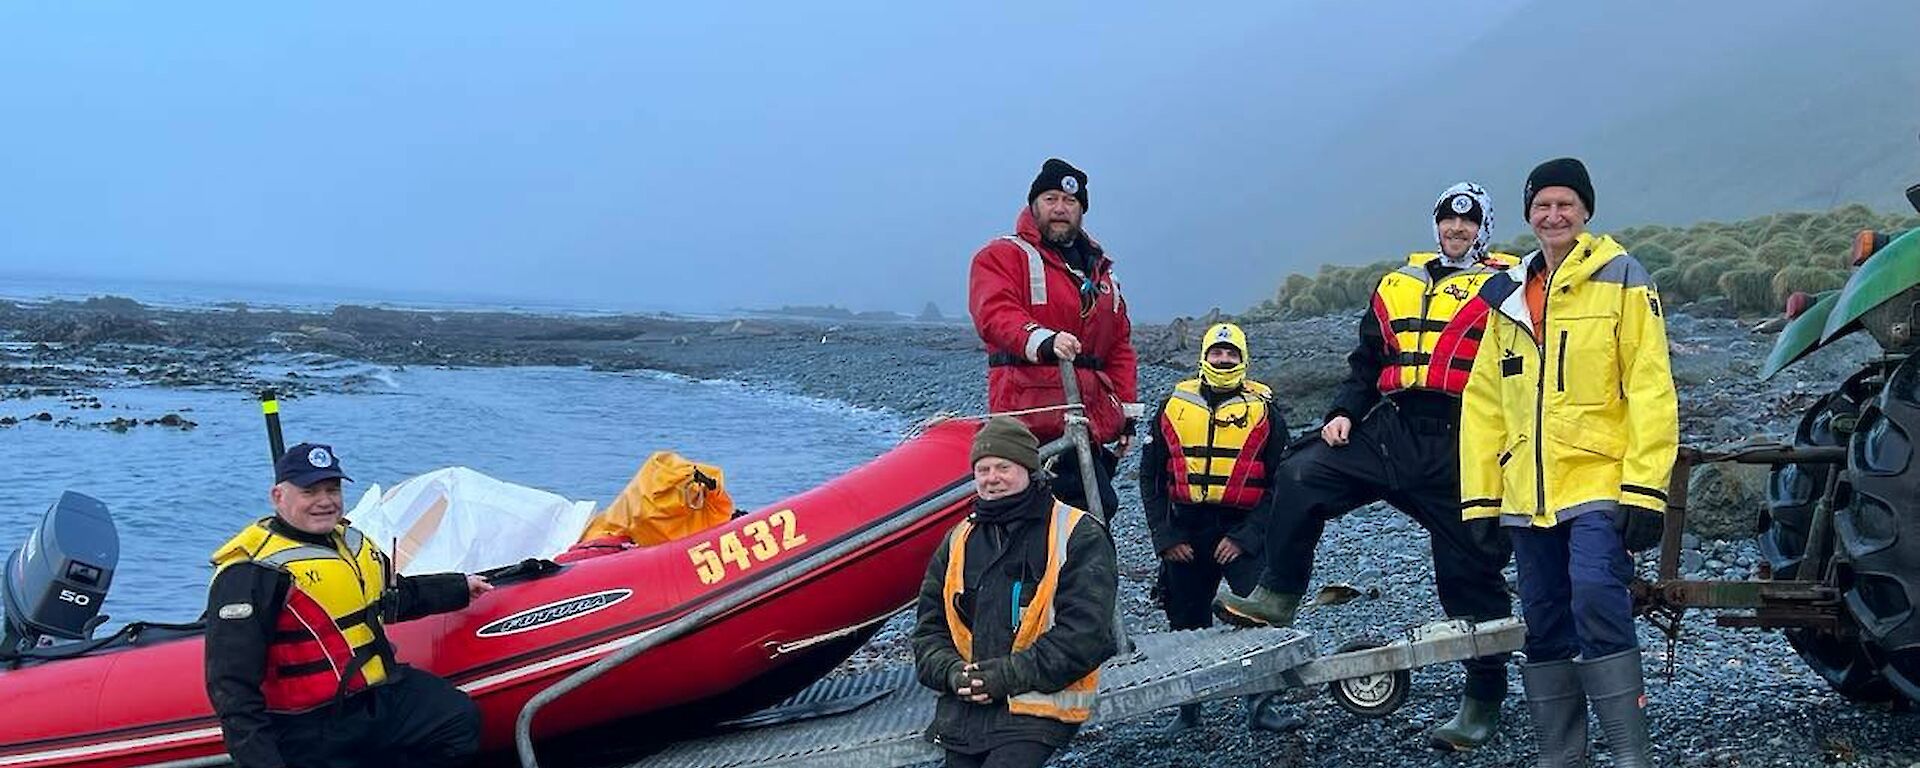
1013	754
1187	589
1069	489
1412	463
416	719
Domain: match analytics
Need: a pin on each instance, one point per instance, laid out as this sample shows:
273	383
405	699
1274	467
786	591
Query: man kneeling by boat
298	665
1015	613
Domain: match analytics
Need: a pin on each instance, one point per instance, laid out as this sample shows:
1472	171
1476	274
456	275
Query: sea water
177	494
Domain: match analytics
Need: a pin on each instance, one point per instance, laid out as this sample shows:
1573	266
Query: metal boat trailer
875	719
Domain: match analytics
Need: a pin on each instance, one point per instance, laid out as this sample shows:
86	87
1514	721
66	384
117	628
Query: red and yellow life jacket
328	629
1432	327
1213	450
1072	704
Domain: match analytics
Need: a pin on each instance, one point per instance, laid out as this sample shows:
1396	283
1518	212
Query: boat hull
147	705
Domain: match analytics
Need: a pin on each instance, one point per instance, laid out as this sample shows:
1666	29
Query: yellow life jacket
1213	451
1072	704
328	631
1430	340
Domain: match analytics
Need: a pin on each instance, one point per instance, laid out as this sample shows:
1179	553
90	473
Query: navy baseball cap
306	464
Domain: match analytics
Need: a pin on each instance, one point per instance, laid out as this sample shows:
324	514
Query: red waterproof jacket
1021	292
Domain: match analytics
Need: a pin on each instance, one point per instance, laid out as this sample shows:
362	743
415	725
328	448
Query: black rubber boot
1188	719
1617	690
1269	712
1261	608
1472	726
1558	704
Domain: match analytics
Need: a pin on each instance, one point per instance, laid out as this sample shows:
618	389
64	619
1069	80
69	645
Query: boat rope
927	423
776	650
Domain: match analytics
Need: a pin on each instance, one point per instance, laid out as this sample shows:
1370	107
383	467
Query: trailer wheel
1372	696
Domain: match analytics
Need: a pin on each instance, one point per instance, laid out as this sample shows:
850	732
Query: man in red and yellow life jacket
1015	614
1203	484
298	665
1393	435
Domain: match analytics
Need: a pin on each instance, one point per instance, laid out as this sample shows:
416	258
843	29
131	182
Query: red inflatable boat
143	701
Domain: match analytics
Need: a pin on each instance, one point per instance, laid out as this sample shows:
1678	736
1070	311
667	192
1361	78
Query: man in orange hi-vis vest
1015	613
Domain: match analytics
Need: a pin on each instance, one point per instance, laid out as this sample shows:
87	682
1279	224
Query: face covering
1229	335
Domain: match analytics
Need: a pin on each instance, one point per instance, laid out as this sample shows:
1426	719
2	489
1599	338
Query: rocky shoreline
1736	698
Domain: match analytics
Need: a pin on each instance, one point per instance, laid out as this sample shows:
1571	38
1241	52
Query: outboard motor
55	582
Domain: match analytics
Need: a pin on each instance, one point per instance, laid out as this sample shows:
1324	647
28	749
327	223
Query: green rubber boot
1262	608
1473	726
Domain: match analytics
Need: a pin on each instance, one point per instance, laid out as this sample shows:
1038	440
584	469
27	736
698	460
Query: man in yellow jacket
1569	427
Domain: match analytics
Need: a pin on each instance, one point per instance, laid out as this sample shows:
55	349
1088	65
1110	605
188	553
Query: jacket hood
1591	253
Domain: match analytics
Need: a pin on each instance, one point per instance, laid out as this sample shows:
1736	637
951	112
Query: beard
1060	238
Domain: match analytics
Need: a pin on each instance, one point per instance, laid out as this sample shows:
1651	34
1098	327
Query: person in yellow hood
1204	484
1392	434
1569	429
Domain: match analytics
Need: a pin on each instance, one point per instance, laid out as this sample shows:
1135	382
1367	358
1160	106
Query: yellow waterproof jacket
1584	417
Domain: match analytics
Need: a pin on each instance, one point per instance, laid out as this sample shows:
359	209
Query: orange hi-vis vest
1073	704
1213	450
1432	327
328	631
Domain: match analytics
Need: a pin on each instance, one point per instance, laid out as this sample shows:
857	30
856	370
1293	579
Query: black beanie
1559	172
1005	437
1463	205
1058	174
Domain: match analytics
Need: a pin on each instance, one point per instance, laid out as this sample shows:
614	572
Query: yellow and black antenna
270	408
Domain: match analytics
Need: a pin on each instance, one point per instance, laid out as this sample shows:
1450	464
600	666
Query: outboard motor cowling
55	583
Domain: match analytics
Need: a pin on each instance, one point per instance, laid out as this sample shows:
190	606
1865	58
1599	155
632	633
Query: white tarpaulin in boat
457	519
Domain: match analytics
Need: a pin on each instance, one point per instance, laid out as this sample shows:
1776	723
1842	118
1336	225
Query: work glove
1639	527
995	676
958	678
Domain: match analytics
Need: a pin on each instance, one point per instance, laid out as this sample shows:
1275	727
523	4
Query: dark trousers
1573	588
1413	464
1067	485
1013	754
415	719
1187	589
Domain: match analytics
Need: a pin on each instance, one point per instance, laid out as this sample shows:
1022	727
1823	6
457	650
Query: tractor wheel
1878	532
1793	493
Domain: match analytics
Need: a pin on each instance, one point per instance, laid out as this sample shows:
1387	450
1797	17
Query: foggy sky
688	157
